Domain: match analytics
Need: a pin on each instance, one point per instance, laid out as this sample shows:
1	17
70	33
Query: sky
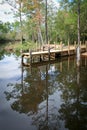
5	16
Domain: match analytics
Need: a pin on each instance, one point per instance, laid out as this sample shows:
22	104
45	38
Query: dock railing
49	51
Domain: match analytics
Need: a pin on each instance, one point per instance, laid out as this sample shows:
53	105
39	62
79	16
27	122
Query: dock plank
84	54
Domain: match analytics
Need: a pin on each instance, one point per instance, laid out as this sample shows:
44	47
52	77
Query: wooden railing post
43	48
68	48
61	46
75	46
48	44
22	59
80	43
21	55
30	52
49	53
86	45
80	46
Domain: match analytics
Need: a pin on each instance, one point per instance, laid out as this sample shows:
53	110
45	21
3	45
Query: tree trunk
46	28
78	25
21	22
78	22
40	39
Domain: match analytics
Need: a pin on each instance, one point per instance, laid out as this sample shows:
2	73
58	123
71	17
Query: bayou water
49	96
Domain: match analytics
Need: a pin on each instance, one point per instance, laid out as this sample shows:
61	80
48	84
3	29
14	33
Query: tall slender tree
78	24
46	27
17	5
20	15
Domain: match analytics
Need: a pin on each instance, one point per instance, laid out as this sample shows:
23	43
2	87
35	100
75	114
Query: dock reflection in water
53	96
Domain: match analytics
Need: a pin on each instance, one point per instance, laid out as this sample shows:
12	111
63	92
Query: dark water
52	96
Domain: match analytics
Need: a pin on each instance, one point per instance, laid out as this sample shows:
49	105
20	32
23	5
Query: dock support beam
68	48
30	56
86	45
22	59
78	55
75	46
49	53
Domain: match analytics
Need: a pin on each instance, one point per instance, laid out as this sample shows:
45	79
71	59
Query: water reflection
54	96
73	109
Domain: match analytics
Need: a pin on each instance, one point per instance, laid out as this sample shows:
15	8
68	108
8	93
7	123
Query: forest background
42	22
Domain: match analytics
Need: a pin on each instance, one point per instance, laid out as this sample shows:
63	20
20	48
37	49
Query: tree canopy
61	21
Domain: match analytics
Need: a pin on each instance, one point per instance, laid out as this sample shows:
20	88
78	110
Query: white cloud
9	68
6	14
54	2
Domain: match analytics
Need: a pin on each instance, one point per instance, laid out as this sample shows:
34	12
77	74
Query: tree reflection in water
73	110
33	96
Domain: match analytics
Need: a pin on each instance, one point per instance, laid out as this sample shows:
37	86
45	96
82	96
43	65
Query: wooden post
43	48
75	45
30	52
86	45
21	55
49	53
80	46
80	43
68	48
61	46
40	58
85	61
22	59
78	56
48	44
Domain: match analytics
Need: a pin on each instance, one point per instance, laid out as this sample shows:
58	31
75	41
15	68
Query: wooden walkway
84	54
50	53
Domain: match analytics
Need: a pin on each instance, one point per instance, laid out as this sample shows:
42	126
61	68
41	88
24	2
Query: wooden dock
84	54
50	53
